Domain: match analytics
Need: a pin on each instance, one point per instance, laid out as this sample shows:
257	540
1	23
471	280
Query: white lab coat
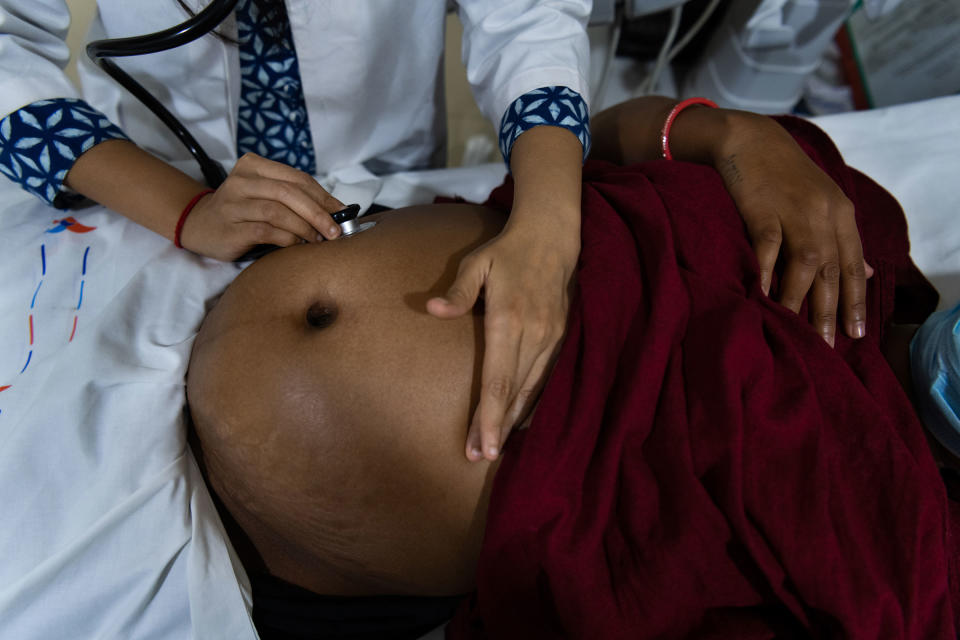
371	70
139	556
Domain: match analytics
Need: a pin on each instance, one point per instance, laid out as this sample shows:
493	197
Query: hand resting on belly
331	409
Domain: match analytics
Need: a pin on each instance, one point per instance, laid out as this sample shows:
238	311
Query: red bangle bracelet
183	216
668	124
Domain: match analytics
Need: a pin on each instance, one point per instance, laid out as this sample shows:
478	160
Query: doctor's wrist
123	177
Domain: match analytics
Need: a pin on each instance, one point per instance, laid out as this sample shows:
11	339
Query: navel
321	315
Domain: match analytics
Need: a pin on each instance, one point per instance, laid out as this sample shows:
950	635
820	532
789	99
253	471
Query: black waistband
283	611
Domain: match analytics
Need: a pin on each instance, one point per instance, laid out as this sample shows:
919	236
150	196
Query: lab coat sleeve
44	127
40	142
33	53
512	47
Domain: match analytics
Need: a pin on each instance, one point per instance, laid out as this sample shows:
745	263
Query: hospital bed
108	530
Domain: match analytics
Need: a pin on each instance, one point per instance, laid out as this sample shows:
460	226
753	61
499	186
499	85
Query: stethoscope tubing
196	27
100	52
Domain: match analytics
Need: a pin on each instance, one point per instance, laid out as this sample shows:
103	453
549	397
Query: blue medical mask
935	364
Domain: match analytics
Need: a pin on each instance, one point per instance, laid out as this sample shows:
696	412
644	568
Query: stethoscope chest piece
349	223
353	227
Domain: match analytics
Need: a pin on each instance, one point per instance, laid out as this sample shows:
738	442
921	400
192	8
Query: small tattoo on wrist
730	171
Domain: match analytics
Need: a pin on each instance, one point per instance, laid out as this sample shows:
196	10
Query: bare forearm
547	166
794	213
526	274
132	182
630	132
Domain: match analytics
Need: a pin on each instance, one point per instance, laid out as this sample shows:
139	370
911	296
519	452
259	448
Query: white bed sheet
108	530
913	150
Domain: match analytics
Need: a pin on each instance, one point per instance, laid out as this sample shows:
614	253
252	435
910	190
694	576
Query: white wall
81	12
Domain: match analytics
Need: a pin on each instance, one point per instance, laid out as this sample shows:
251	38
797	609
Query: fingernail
334	231
829	338
475	453
859	329
492	452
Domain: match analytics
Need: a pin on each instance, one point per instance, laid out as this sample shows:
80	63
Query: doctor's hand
260	202
525	276
796	212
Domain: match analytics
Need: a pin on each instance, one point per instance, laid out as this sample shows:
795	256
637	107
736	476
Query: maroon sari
702	464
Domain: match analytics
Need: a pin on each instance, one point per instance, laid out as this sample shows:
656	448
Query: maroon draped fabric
702	464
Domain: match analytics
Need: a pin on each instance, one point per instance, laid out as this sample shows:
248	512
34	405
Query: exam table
108	529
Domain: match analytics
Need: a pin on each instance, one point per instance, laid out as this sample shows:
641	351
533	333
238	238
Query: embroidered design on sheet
33	303
272	118
69	224
553	106
83	279
41	141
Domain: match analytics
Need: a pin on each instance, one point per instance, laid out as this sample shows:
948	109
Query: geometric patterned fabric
272	118
40	142
554	106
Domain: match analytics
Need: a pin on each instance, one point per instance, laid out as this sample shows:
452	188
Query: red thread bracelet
183	216
668	124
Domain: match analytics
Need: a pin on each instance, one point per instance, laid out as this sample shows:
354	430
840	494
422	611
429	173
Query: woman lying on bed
701	460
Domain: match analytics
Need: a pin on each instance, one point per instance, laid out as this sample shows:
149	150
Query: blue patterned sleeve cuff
552	106
41	141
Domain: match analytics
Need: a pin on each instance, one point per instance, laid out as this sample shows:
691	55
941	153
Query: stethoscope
100	52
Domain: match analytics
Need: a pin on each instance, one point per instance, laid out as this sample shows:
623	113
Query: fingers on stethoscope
280	216
298	191
265	233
